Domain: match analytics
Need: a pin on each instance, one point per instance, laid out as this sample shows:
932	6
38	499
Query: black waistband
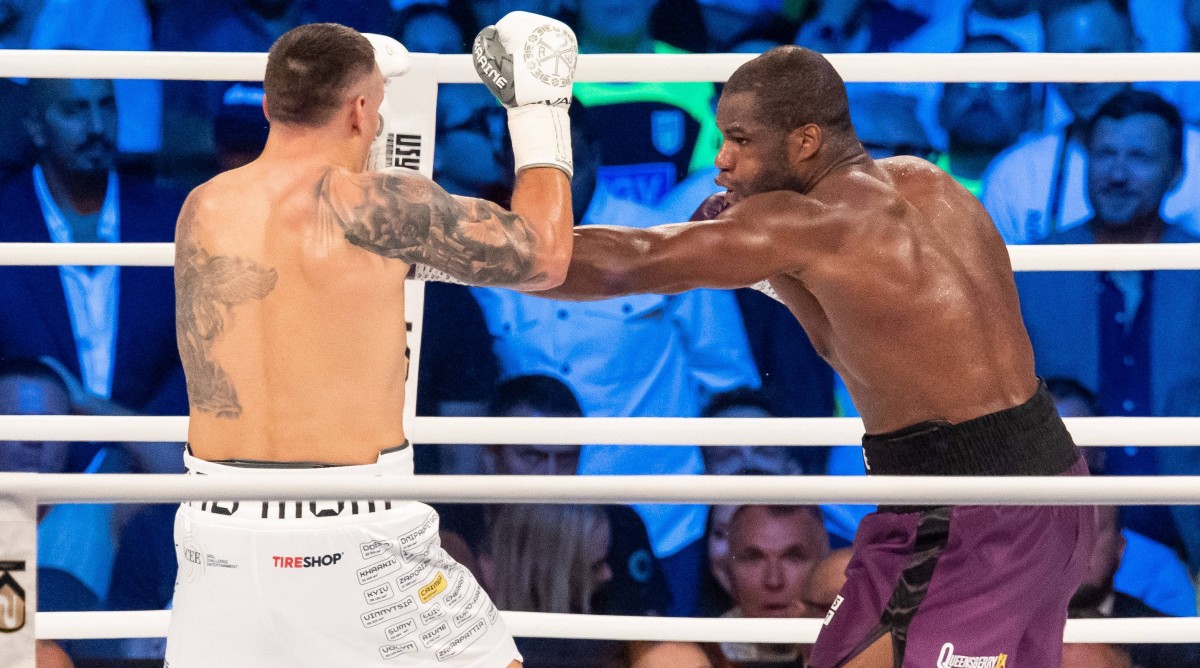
1028	439
262	464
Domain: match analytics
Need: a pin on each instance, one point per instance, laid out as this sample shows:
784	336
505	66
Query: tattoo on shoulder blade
408	217
207	288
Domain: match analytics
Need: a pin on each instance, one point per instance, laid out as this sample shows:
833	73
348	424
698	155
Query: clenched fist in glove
528	62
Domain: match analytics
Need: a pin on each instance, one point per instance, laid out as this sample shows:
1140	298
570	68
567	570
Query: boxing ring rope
153	624
1093	431
1085	257
889	67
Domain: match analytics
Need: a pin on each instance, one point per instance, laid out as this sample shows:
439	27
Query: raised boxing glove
711	207
528	62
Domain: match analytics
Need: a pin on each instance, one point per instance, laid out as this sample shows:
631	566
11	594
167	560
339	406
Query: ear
358	114
36	131
266	110
804	142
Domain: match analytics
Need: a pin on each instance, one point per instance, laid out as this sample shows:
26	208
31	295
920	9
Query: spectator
1014	21
111	327
1037	187
121	25
643	355
638	586
143	576
1123	335
666	130
649	654
1098	596
1149	570
429	28
1094	655
1184	401
857	26
982	118
825	582
550	558
75	541
772	551
746	459
239	26
240	127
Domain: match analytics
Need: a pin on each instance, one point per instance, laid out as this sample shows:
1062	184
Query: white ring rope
894	67
153	624
1090	431
719	490
1084	257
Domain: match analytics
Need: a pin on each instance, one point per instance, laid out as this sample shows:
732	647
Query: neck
1145	230
969	162
81	192
639	43
840	159
296	145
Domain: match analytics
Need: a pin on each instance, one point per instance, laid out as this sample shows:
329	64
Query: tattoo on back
207	288
402	215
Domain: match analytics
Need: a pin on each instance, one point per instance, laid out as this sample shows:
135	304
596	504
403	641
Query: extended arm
401	214
746	244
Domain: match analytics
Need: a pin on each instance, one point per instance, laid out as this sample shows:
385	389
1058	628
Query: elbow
550	272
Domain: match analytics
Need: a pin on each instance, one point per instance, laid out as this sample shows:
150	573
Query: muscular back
290	301
911	297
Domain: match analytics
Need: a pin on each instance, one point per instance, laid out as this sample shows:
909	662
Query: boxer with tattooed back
290	315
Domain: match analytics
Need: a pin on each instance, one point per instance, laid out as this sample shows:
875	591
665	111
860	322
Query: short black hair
1061	387
794	86
309	70
1132	102
545	394
30	367
1049	8
742	396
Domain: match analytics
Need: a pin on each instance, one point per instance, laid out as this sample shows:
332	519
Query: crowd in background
109	161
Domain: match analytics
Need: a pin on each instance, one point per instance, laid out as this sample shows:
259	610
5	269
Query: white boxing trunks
325	583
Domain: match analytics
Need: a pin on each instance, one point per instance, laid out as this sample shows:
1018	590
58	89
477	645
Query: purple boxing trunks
965	586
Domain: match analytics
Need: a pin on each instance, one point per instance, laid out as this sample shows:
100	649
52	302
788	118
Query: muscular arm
746	244
401	214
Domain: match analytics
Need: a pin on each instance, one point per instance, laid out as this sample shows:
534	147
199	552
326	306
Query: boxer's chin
733	197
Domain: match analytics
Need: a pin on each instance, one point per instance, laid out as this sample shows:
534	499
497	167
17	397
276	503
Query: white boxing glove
528	62
391	55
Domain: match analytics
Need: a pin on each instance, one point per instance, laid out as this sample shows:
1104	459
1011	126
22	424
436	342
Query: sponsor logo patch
314	561
12	597
948	659
393	651
397	631
379	594
380	615
435	587
462	641
428	638
833	607
371	573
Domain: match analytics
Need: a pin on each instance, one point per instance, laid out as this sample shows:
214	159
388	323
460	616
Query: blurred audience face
887	125
32	395
1092	28
469	154
668	655
719	518
615	19
1130	168
432	31
772	550
1106	557
1078	655
73	123
748	459
986	116
824	583
1004	9
533	459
